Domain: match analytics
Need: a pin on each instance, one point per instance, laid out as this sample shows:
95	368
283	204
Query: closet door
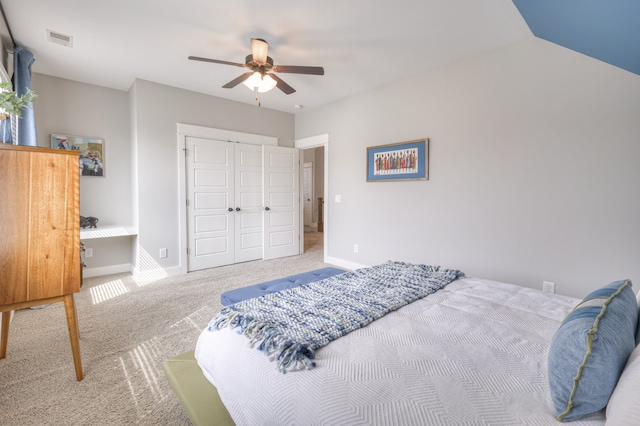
248	202
210	203
242	202
281	170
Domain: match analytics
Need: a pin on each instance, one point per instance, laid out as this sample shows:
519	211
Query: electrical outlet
548	287
88	252
355	248
163	253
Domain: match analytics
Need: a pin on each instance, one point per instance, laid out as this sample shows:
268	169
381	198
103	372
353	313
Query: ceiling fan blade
280	84
294	69
259	49
216	61
237	80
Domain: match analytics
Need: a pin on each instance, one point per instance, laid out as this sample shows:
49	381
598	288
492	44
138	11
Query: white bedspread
474	353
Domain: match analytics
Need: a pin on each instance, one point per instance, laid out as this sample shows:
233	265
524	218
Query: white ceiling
361	44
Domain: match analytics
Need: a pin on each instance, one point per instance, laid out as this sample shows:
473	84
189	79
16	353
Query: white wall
157	109
533	170
140	186
73	108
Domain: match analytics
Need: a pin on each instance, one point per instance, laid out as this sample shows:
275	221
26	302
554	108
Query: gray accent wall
534	170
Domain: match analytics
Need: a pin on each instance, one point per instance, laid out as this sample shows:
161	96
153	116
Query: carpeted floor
127	330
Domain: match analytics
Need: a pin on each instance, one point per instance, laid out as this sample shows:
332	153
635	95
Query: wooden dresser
39	234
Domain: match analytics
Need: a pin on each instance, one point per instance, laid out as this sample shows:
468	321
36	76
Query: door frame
183	131
321	140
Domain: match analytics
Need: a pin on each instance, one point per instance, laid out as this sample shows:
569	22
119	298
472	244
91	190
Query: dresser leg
4	335
74	333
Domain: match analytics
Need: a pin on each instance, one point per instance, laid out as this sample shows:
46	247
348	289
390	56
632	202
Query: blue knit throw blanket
291	324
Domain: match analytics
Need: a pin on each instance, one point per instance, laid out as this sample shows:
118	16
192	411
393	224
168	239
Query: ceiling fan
261	77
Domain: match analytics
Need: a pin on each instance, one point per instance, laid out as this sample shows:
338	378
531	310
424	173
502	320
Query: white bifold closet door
248	236
281	170
227	219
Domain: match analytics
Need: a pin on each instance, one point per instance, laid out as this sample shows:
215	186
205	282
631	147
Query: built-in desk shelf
108	231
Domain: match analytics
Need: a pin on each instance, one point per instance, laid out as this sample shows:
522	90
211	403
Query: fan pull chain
255	89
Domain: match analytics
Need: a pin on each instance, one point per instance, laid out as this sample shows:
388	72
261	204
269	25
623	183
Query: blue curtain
26	129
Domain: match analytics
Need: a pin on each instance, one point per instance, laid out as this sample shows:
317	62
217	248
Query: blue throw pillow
589	350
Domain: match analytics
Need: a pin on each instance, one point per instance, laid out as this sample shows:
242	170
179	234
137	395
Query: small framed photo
91	152
398	161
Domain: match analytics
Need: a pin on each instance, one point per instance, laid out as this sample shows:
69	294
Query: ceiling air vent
58	38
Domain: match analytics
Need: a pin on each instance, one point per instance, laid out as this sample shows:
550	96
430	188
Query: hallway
313	240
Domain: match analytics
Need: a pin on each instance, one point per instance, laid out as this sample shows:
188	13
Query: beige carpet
127	330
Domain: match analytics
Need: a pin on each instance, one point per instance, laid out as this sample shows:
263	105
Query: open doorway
313	197
315	150
308	198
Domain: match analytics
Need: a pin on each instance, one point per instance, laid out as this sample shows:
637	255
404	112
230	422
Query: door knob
230	209
237	209
267	208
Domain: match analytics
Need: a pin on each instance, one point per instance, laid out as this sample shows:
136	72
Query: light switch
338	198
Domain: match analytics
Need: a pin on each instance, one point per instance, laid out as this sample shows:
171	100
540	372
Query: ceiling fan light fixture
259	79
260	82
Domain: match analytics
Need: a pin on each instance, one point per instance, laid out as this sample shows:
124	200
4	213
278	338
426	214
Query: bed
473	352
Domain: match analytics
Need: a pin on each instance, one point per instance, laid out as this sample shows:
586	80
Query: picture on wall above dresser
91	152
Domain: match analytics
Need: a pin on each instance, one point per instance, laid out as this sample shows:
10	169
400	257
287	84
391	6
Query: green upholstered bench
197	395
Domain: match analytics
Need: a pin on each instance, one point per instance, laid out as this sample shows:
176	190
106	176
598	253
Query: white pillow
624	406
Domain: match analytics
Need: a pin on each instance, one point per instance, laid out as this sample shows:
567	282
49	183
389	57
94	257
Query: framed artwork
91	152
398	161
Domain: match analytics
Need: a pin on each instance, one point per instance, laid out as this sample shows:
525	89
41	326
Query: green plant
11	103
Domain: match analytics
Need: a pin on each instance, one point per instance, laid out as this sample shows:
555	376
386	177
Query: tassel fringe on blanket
292	324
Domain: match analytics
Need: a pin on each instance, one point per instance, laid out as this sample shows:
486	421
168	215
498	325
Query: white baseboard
153	275
106	270
173	271
127	267
344	263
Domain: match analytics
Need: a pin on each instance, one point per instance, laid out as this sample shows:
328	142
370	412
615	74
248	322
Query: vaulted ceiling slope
605	30
361	44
